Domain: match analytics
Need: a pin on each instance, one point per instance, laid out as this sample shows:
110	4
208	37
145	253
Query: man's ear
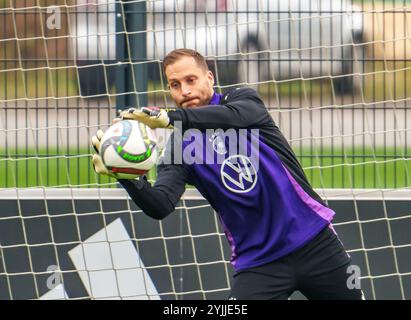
210	77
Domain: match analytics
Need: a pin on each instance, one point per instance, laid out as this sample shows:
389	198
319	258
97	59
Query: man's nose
185	90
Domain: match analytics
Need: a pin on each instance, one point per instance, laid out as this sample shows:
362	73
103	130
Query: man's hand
98	164
153	117
95	140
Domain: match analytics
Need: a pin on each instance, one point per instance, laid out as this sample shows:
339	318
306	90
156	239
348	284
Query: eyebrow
188	76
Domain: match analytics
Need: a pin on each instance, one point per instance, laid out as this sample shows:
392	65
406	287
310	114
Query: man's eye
174	85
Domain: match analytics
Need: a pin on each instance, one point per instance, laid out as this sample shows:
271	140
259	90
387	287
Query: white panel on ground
58	293
110	267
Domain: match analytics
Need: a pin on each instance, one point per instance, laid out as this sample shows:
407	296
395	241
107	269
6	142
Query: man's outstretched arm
240	108
160	200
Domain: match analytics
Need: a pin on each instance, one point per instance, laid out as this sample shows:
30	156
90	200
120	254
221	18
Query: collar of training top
215	99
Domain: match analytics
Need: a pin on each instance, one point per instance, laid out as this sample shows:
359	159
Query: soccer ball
129	149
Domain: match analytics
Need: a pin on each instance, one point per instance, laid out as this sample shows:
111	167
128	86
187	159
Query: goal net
96	244
333	74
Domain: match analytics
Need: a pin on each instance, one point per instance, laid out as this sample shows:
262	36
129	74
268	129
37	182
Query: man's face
190	85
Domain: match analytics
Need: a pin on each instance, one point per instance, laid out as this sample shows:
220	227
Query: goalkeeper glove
153	117
98	164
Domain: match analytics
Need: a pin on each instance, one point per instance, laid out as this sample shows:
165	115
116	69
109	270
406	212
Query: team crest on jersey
218	144
238	174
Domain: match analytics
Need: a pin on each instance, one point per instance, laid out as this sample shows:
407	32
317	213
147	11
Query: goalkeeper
279	229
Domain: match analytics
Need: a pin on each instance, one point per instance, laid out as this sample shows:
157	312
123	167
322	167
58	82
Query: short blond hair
175	55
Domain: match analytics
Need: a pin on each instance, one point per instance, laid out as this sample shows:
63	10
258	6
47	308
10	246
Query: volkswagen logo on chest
238	174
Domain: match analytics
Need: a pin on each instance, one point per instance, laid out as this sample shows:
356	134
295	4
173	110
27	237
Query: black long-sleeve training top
238	108
265	203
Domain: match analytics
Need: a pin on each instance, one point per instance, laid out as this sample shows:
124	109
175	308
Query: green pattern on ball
119	142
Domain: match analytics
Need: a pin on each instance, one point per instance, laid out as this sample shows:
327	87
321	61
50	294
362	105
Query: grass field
357	167
326	168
